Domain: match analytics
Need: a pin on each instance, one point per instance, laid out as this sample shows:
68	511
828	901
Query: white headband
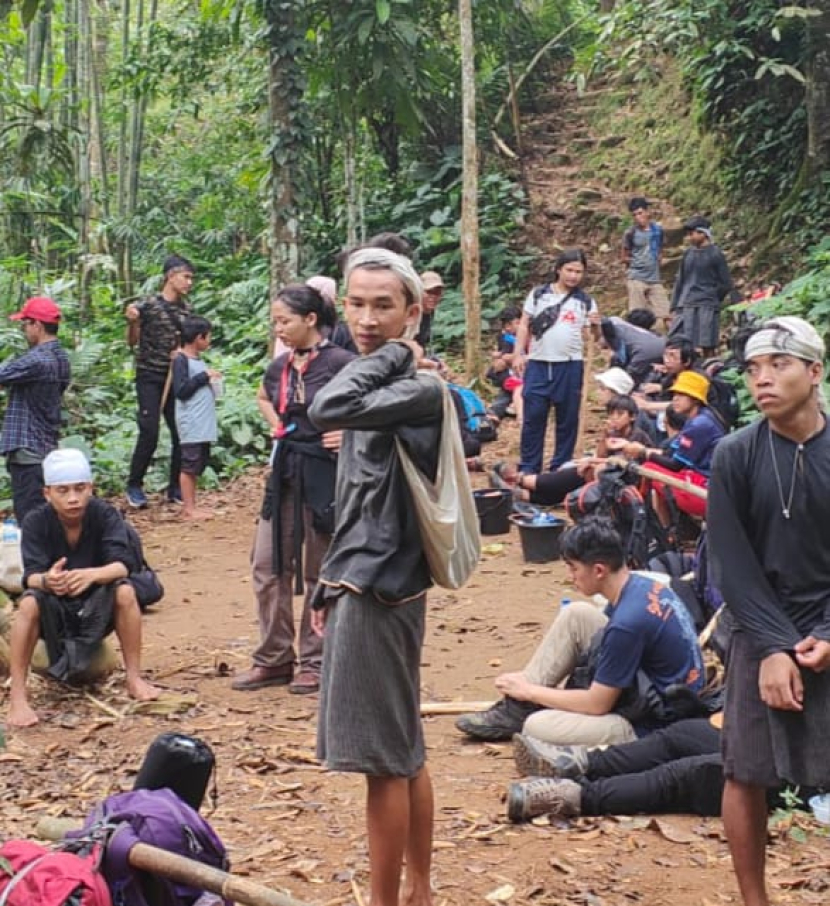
786	335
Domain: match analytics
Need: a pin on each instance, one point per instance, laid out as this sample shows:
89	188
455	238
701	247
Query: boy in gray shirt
642	250
194	386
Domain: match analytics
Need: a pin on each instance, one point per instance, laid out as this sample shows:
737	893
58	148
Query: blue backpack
475	413
159	818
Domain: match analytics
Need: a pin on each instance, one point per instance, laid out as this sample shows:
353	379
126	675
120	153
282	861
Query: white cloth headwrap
68	466
786	335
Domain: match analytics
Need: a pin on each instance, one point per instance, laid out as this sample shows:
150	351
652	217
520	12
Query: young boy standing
194	389
375	576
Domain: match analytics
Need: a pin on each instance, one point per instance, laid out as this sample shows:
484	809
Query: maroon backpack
31	875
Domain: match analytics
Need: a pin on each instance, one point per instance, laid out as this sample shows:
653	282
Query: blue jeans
546	385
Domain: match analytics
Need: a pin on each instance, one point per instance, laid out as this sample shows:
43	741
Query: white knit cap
786	335
67	466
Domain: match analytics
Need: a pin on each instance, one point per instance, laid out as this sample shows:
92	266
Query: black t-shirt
103	540
301	390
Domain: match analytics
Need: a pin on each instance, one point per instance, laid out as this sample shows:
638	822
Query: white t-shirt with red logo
563	342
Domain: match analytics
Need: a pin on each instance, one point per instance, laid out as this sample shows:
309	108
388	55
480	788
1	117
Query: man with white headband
699	289
76	560
768	512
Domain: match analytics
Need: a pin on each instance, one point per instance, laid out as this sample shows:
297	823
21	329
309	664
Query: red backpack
31	875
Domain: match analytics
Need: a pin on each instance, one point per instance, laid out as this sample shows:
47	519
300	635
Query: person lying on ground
689	455
551	488
675	770
76	567
617	663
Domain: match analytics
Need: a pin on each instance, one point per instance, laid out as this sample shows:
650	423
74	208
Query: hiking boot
136	498
304	683
498	723
528	799
174	495
535	758
259	677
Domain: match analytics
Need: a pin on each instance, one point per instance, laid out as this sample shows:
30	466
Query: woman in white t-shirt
549	355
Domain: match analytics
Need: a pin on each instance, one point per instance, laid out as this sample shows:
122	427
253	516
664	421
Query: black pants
553	487
149	390
676	769
27	487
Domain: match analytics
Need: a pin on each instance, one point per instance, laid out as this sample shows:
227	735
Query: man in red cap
35	382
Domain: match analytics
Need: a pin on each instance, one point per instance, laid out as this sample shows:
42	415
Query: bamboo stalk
668	480
429	709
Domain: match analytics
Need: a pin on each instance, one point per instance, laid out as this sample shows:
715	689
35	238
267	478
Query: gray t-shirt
644	265
195	402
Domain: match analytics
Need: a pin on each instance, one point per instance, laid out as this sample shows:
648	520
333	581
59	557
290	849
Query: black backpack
723	400
148	588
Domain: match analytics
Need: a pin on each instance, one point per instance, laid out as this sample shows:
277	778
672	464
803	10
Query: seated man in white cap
76	560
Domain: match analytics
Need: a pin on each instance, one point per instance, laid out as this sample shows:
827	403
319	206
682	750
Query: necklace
786	505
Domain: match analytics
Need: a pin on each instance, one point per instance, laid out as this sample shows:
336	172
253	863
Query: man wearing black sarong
769	506
76	563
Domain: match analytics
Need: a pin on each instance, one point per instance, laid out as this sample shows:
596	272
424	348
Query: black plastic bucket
493	507
540	540
179	762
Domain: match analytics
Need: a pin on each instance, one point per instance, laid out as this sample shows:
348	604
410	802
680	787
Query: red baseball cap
39	308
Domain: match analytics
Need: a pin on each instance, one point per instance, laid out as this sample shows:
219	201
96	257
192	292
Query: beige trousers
568	638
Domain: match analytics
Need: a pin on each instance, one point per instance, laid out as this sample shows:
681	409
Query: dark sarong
764	746
73	628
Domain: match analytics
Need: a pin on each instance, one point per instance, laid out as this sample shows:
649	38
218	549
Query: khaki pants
552	663
275	594
648	295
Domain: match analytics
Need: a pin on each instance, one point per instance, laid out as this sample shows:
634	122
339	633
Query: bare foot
21	714
141	690
197	514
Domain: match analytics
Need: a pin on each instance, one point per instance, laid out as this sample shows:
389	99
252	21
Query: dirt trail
288	823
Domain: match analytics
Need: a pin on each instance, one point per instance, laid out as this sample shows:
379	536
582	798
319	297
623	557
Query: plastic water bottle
10	532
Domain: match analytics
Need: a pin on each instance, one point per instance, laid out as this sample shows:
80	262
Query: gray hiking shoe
535	758
528	799
498	723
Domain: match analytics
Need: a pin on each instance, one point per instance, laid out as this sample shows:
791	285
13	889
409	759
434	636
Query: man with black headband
769	505
701	285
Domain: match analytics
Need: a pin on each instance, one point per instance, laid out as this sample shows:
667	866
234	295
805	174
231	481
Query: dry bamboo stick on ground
429	709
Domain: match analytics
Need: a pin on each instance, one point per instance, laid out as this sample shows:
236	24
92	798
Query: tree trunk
469	196
83	83
350	180
98	47
285	42
818	88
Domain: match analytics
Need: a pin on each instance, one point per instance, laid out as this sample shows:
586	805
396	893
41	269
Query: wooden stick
205	877
669	480
588	362
709	628
185	871
437	708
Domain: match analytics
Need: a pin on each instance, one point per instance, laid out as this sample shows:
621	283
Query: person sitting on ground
551	488
634	349
194	386
508	401
616	382
645	639
76	567
654	394
689	455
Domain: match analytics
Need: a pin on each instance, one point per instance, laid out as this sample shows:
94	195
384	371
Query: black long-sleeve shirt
773	572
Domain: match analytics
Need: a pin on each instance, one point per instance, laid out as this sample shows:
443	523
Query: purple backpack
159	818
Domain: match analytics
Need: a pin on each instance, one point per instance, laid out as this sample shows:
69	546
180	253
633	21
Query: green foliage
743	67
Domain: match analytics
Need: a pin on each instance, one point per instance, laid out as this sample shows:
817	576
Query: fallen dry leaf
501	894
670	832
